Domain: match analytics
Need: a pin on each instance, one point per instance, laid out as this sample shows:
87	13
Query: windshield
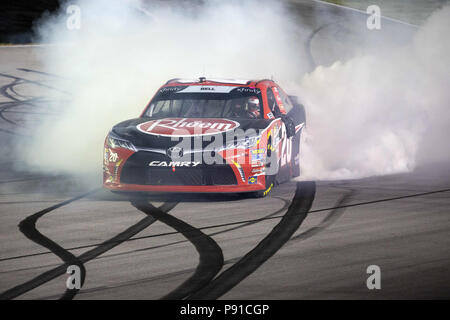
243	104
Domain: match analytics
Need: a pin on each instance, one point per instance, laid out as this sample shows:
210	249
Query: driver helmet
253	107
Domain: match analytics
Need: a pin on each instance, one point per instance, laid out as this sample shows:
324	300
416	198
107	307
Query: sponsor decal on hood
185	127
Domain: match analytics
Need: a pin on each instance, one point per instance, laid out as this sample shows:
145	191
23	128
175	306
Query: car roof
219	82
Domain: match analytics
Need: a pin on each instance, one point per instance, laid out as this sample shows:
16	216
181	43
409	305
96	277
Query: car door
281	142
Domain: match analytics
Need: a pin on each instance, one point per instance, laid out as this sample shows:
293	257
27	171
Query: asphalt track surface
306	240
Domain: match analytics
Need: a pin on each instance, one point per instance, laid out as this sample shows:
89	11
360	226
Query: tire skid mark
335	213
226	262
341	206
27	226
16	102
245	224
4	89
241	225
210	254
329	219
32	101
285	206
22	180
33	82
280	234
40	72
13	90
14	133
125	235
271	216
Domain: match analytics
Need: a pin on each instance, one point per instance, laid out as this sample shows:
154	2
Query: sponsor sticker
257	163
252	180
184	127
258	171
258	154
258	151
248	90
257	157
207	89
116	169
105	156
171	89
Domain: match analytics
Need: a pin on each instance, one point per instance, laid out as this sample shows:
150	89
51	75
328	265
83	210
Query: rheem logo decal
183	127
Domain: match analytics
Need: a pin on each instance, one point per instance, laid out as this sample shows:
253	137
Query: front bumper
186	189
131	172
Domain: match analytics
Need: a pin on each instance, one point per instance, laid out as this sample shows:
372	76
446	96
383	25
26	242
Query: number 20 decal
286	148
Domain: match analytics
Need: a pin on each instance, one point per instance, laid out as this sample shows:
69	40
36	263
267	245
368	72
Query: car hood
167	132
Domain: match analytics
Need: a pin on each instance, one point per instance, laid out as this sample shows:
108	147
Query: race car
207	136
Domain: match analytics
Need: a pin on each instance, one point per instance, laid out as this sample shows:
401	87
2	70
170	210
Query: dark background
17	16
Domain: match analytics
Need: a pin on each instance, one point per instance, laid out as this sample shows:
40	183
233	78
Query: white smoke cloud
373	114
125	50
380	113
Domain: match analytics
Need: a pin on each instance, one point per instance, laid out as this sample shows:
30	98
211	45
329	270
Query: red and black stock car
207	135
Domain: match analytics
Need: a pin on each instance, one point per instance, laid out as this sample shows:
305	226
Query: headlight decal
241	171
247	143
120	143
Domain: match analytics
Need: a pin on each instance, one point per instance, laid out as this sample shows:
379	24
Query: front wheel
270	182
